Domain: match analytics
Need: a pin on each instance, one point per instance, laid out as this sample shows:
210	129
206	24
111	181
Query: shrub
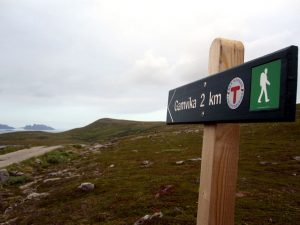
57	157
18	180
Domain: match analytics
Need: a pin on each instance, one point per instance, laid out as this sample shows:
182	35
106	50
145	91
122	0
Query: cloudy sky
68	63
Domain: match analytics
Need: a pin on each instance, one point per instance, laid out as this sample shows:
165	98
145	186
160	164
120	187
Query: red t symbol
234	90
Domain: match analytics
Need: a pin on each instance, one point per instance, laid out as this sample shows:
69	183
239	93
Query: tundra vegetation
146	168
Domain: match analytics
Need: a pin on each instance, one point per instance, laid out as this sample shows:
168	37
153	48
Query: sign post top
261	90
217	48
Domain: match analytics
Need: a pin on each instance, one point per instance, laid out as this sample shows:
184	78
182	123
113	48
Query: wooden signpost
261	90
220	149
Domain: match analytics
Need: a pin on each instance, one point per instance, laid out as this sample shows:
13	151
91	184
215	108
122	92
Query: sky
68	63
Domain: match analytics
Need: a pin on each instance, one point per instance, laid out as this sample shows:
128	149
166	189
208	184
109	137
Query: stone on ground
35	195
147	218
4	176
179	162
86	186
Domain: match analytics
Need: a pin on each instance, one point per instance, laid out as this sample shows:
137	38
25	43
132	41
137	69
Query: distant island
38	127
6	127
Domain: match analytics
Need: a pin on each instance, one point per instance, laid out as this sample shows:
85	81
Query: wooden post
220	150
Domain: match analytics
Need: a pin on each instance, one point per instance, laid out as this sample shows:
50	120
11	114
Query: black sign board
262	90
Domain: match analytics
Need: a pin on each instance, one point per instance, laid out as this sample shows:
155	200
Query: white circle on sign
235	93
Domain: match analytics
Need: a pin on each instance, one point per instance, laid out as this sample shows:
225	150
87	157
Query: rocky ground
151	179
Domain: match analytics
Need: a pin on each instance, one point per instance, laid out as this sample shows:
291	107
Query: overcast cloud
68	63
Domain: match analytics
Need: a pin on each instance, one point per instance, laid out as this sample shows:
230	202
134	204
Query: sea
2	131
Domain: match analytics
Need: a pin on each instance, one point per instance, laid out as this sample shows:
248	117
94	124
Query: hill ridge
108	128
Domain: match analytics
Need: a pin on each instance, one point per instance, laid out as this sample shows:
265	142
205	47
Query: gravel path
18	156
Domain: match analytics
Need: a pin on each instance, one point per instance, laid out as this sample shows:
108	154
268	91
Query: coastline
3	131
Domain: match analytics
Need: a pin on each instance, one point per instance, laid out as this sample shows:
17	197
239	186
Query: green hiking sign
265	86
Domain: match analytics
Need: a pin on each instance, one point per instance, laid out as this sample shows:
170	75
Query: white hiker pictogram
263	84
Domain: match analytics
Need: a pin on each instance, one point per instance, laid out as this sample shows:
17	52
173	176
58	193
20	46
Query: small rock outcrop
4	176
16	173
146	163
195	159
164	190
35	195
51	180
179	162
265	163
28	185
242	194
10	222
97	146
297	158
147	218
28	191
62	173
86	186
37	161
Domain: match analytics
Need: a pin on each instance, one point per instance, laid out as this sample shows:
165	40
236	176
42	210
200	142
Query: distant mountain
5	127
38	127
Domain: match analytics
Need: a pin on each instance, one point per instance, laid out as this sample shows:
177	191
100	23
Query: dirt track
18	156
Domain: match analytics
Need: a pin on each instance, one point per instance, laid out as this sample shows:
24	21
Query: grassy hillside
138	175
100	130
105	129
